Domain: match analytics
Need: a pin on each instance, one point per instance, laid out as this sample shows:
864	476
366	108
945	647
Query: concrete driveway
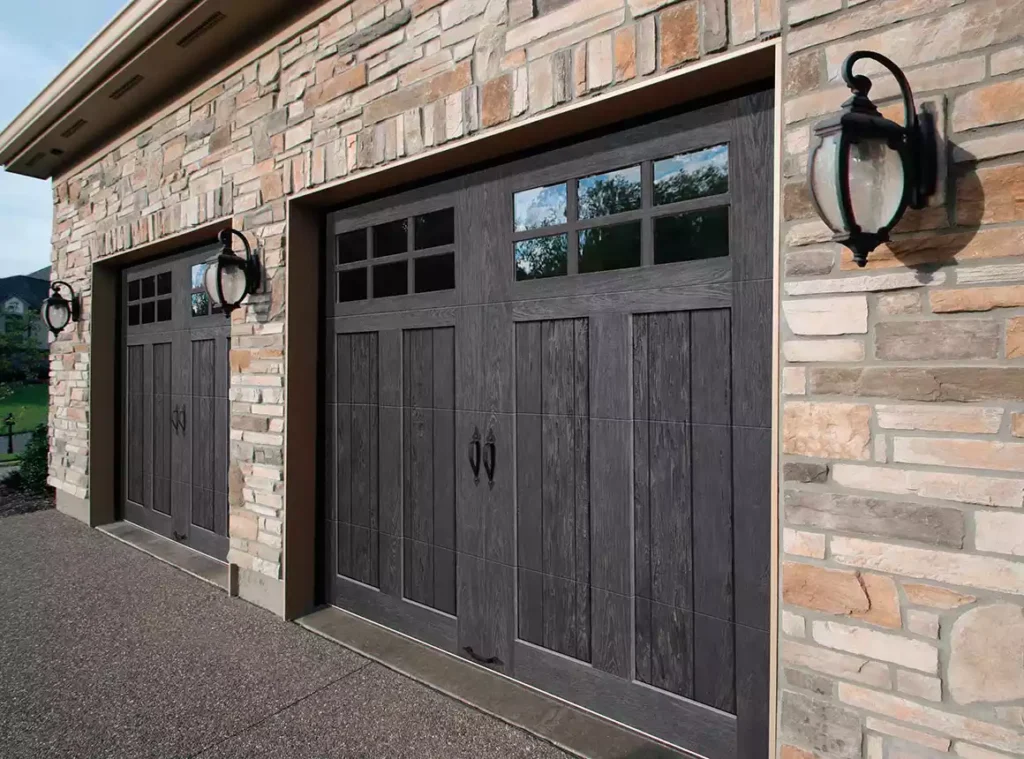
106	652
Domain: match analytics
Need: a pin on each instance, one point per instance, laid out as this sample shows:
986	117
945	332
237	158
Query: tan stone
794	380
999	532
923	623
600	62
986	660
640	7
827	430
866	283
421	93
271	186
907	733
1005	61
836	664
742	22
715	24
799	543
918	685
805	10
680	34
995	146
811	351
827	316
950	567
625	54
833	591
345	82
967	275
792	752
937	249
1015	337
1017	424
932	718
874	644
855	22
496	102
968	751
977	299
542	85
577	34
946	340
997	103
243	525
899	304
884	610
572	15
939	598
970	454
991	194
957	384
793	624
240	360
931	418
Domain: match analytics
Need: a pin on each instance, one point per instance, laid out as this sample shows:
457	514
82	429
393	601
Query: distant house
23	295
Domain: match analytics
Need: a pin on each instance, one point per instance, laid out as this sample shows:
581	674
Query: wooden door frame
306	243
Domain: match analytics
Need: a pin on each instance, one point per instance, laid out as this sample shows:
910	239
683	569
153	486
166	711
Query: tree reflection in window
542	257
692	175
614	192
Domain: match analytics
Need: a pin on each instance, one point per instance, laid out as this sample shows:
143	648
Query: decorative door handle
474	456
490	450
480	659
184	419
175	422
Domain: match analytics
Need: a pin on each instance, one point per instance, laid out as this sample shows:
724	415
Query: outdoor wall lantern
864	170
229	277
58	311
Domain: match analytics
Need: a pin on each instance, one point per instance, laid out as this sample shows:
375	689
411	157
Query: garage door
548	394
174	413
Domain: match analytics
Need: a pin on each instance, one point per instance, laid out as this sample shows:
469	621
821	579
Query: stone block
918	685
953	568
827	316
946	340
990	195
830	351
572	15
793	624
977	299
875	644
836	664
716	25
679	38
807	472
821	726
865	283
936	597
542	91
827	430
903	732
930	418
647	45
641	7
496	101
794	380
999	532
421	93
986	655
625	54
899	304
809	262
956	384
996	103
959	487
833	591
1015	337
969	454
923	623
600	62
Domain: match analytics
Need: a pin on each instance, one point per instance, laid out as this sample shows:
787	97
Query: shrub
34	464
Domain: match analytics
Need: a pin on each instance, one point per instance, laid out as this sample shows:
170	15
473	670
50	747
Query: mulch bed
18	502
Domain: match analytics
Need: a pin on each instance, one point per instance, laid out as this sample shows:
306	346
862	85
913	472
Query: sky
37	40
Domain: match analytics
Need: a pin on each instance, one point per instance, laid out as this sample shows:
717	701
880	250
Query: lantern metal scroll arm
56	303
250	266
918	126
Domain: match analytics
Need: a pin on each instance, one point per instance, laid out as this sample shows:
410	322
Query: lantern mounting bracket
56	300
227	257
918	126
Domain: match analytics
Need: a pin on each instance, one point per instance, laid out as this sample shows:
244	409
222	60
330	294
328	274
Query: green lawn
29	404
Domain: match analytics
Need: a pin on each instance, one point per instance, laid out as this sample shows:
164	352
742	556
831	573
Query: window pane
352	246
163	283
540	207
614	192
133	315
435	273
198	272
390	238
200	304
607	248
148	287
542	257
163	310
148	313
691	236
351	285
692	175
391	279
133	290
435	229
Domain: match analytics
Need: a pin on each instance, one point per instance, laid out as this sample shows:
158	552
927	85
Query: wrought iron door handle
480	659
474	456
184	418
175	422
490	451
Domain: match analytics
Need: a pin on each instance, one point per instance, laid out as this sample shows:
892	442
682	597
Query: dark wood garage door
175	412
548	421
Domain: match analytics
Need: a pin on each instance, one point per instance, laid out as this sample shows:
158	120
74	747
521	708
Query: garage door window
410	255
668	210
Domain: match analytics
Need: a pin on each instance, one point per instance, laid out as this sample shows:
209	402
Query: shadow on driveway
106	652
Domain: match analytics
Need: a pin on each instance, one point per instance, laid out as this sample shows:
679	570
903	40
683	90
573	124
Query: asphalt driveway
106	652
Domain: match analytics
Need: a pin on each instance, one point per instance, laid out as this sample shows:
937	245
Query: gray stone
804	263
936	525
820	726
986	662
805	471
956	384
200	129
817	684
364	37
937	340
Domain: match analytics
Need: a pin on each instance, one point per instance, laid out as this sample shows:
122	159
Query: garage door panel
714	663
486	603
612	617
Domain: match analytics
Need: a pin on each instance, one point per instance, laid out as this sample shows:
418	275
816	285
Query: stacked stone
903	536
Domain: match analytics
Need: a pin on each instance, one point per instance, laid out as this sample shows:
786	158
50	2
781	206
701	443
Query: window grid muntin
150	296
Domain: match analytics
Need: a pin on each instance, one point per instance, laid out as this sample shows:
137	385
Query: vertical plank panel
642	471
752	509
671	515
672	649
559	615
390	433
712	521
444	439
136	422
710	361
531	606
751	693
669	370
612	632
751	353
714	673
642	626
611	506
751	181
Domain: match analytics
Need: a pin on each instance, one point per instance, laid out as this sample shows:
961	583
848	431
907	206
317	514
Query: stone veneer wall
902	630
